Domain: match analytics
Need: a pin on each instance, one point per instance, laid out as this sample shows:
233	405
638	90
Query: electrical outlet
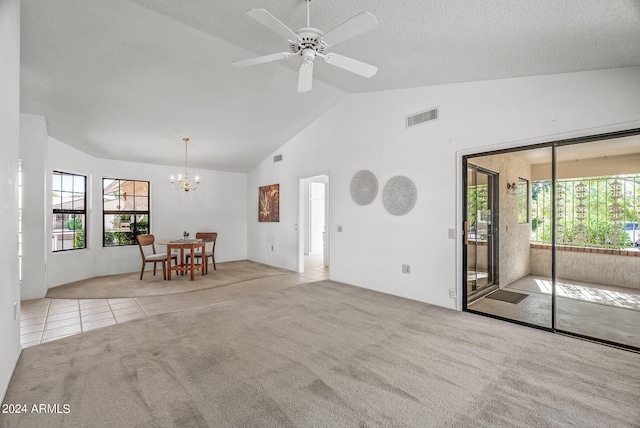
406	269
452	234
339	228
452	293
272	248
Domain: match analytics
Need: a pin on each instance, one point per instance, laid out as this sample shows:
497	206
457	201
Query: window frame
69	211
524	212
134	229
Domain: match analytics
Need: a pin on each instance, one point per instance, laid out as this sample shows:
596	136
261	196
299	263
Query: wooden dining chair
209	239
150	255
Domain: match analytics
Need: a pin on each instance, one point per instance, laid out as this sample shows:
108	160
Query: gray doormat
507	296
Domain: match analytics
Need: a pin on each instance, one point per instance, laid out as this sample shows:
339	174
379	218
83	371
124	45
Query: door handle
466	233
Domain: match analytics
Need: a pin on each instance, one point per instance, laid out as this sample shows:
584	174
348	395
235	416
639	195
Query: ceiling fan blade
273	23
262	59
350	64
305	76
356	25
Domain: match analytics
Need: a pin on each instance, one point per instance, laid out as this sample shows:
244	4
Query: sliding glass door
521	288
598	240
569	236
479	234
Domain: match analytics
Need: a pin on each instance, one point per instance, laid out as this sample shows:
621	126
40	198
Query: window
69	199
523	201
125	211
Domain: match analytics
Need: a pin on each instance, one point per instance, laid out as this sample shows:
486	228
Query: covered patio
595	310
567	210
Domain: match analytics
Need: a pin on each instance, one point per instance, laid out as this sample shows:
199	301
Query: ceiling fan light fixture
308	55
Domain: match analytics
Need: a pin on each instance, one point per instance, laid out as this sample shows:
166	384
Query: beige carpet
324	355
130	284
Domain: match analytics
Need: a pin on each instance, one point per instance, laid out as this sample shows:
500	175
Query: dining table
183	245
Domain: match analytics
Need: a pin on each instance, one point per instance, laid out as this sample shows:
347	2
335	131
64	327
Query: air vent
277	158
422	117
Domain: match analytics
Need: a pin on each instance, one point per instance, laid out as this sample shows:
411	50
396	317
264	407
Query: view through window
69	211
590	212
125	209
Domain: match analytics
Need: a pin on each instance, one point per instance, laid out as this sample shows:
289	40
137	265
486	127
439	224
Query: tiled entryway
314	267
43	320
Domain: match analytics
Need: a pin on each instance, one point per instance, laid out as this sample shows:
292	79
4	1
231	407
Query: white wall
33	150
304	156
366	131
9	141
219	205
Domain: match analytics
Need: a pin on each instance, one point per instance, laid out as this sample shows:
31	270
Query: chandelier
183	182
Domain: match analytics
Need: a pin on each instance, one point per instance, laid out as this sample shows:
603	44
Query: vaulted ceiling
128	79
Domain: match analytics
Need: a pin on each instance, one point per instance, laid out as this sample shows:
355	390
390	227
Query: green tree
586	217
78	239
142	226
74	224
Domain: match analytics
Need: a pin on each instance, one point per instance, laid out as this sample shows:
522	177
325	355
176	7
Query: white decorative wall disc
364	187
399	195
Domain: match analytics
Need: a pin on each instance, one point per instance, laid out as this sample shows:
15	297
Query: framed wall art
269	203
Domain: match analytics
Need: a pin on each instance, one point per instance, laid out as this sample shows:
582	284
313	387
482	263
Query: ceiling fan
309	43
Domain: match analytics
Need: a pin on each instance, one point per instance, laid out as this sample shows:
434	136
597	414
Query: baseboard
272	265
5	385
24	297
389	293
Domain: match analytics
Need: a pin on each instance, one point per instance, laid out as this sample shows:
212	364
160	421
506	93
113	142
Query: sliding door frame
554	145
493	241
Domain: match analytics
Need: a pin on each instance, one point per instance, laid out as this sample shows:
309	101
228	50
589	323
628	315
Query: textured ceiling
127	79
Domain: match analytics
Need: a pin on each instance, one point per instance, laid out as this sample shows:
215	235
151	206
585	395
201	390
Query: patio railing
596	212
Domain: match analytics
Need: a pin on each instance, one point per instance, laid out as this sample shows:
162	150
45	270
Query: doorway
313	224
316	219
481	237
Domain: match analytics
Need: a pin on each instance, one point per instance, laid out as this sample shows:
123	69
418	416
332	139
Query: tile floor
593	310
44	320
